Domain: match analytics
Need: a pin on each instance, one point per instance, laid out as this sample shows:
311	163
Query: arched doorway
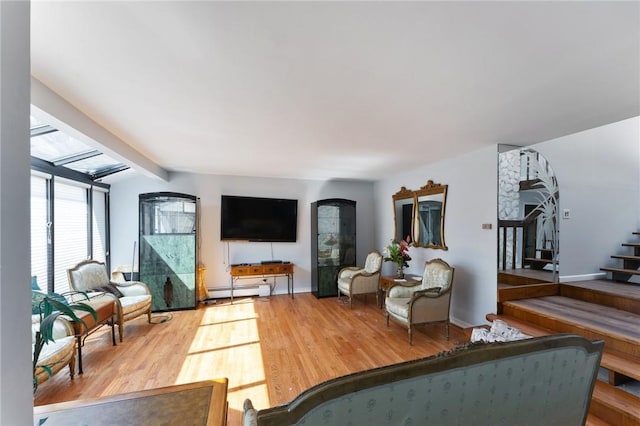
528	199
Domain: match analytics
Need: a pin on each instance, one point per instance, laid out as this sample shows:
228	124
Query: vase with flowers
398	253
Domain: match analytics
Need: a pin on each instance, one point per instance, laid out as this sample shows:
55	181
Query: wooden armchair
426	302
354	280
133	298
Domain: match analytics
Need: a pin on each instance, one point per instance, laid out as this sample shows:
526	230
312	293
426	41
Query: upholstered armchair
426	302
133	298
57	354
354	280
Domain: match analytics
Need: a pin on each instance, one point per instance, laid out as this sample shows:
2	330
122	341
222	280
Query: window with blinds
99	225
39	230
76	231
70	230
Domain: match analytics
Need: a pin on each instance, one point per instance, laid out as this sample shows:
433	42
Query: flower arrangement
398	253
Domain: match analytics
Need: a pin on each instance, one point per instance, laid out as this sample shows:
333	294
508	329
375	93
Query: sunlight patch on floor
228	336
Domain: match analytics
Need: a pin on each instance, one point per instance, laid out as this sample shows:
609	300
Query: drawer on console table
285	268
240	270
267	269
270	269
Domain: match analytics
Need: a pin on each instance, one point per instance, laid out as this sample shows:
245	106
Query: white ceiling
344	90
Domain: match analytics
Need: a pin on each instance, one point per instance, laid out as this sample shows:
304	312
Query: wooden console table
200	403
264	270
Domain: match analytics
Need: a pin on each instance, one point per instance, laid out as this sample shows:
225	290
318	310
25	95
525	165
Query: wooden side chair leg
72	364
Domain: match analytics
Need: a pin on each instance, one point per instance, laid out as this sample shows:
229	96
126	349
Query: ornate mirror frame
403	213
430	206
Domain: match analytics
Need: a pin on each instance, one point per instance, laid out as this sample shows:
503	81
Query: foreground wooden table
200	404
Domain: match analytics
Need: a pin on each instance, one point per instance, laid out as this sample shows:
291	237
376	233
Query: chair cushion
373	263
89	276
398	306
436	275
134	303
54	352
344	285
347	274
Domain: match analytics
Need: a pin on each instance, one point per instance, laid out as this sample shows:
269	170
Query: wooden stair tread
593	420
619	324
614	288
620	256
617	400
611	360
537	259
630	244
622	270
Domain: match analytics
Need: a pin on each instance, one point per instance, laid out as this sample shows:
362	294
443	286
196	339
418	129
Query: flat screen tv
258	219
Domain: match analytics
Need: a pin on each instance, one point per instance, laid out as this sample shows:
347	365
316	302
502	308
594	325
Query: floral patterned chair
354	280
425	302
133	298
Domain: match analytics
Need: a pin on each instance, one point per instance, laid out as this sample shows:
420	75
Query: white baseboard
262	290
583	277
461	324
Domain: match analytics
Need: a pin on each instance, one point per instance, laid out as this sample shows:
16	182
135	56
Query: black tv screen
258	219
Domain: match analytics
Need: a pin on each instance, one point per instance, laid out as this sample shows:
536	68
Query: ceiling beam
61	114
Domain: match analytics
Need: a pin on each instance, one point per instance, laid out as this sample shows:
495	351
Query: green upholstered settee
539	381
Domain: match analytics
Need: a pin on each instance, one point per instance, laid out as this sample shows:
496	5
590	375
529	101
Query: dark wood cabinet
333	243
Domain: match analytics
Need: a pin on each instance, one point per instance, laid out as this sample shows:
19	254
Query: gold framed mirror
430	204
403	213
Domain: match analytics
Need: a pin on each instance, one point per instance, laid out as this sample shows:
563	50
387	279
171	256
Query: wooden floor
270	349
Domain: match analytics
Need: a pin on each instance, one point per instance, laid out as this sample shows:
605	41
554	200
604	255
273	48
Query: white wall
599	179
471	201
598	174
217	255
16	398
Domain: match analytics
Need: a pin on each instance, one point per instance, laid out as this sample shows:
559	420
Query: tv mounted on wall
258	219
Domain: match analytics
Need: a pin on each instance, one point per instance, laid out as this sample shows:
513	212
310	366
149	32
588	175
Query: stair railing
504	225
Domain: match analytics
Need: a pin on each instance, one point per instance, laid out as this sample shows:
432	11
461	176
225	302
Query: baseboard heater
262	290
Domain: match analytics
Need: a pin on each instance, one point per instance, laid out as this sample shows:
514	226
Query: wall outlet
487	226
566	214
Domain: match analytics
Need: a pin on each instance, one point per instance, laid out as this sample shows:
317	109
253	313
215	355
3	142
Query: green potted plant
398	253
49	306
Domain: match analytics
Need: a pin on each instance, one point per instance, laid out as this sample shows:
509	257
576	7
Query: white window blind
99	224
39	231
70	226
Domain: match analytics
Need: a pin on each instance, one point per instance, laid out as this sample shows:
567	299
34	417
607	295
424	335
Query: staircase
544	258
604	310
630	263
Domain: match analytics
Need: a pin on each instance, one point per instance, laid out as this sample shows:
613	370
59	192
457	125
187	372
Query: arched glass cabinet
168	249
